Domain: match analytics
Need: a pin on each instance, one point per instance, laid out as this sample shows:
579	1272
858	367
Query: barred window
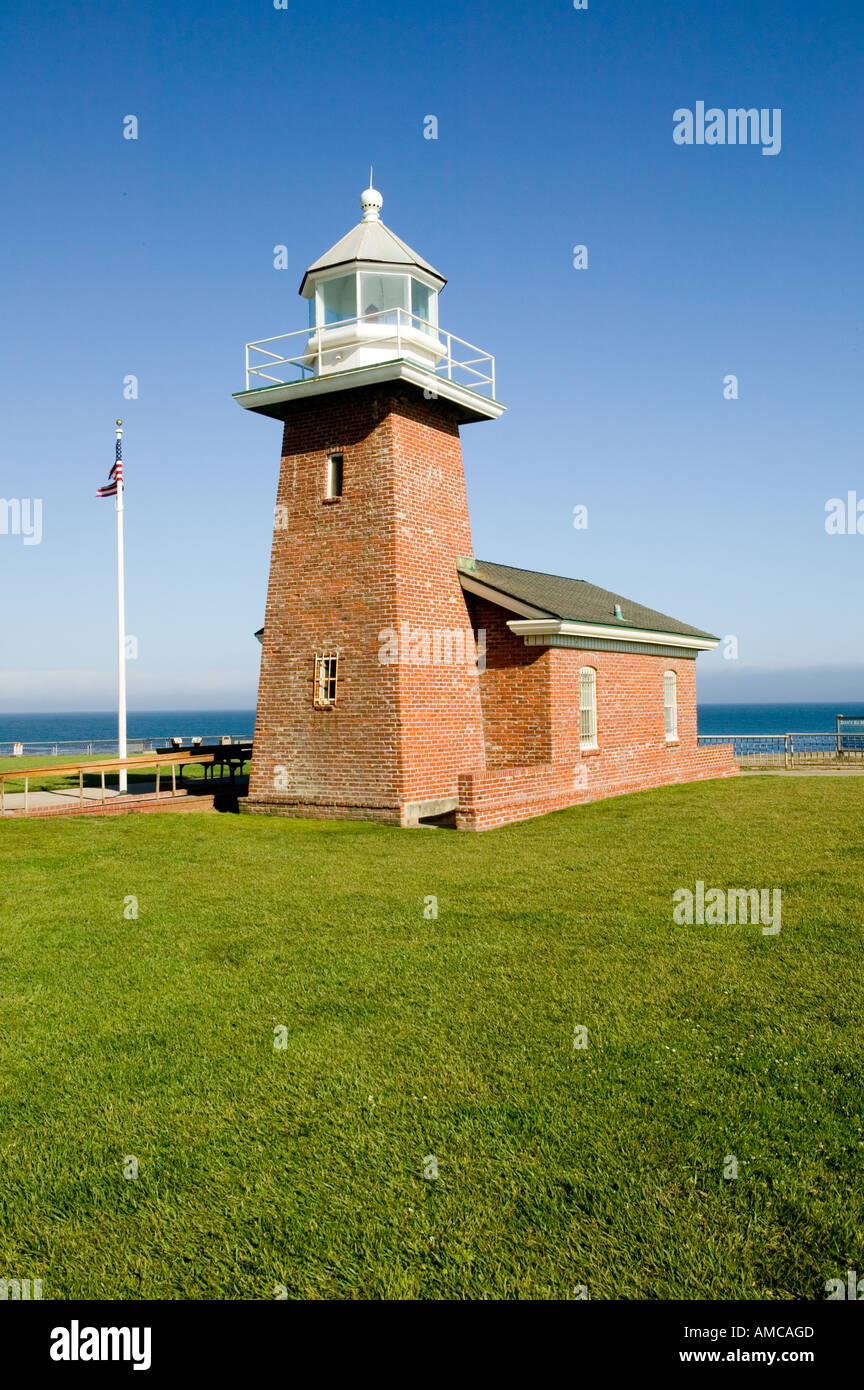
670	705
587	707
326	680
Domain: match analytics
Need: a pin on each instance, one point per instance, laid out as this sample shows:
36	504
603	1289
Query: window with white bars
587	707
670	705
326	680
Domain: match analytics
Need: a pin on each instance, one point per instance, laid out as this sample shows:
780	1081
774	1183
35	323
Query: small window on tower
326	680
334	477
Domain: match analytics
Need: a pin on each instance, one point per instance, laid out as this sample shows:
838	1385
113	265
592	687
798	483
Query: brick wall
503	794
632	751
341	574
530	701
515	692
441	724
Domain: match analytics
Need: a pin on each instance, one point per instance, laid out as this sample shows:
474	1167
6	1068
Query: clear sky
256	128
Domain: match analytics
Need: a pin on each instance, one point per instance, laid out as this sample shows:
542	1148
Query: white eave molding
513	605
431	279
533	622
558	627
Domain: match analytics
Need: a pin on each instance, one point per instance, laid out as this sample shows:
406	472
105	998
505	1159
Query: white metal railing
790	750
263	364
83	746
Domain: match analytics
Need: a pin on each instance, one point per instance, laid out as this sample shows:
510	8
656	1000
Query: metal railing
791	749
476	373
136	764
89	747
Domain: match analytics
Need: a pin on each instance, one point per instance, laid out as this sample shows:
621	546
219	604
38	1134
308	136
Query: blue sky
257	126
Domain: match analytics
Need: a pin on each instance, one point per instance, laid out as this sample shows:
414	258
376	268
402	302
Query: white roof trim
558	627
336	272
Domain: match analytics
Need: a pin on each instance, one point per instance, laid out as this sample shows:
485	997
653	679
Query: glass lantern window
422	300
338	298
381	294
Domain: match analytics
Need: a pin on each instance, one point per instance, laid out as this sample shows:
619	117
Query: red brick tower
368	704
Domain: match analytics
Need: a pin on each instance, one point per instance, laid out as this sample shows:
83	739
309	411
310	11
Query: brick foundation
488	800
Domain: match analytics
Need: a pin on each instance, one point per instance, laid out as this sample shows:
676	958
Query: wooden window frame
325	690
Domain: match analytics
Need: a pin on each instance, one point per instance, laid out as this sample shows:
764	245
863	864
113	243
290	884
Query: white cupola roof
371	243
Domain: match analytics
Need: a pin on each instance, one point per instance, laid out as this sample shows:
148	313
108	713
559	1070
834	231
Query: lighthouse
402	678
369	702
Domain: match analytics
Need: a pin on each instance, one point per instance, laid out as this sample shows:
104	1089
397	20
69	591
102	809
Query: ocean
775	719
150	726
158	725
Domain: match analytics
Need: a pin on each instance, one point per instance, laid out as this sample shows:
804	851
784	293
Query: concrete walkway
40	800
62	796
140	796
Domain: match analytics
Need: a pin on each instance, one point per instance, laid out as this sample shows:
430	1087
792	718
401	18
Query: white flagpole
121	630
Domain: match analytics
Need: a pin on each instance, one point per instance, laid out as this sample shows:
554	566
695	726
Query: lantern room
372	316
371	299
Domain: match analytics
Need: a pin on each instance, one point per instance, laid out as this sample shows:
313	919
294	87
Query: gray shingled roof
371	241
575	600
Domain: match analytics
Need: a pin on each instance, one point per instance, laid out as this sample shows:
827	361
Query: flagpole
121	623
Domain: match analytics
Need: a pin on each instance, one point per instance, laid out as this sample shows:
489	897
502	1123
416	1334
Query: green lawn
409	1037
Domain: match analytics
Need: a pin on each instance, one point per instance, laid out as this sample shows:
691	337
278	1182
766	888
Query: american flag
116	474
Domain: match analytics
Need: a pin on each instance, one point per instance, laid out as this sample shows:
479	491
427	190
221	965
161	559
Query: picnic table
230	755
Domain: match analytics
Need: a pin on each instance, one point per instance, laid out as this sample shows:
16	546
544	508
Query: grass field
409	1038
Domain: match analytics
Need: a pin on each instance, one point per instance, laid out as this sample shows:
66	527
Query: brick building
402	678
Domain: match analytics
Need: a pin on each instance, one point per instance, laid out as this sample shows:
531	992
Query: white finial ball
371	202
